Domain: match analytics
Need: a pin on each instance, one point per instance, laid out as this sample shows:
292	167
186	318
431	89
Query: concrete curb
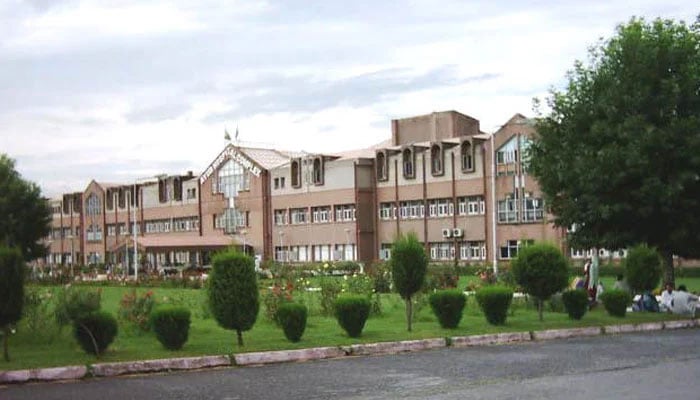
370	349
566	333
131	367
496	338
270	357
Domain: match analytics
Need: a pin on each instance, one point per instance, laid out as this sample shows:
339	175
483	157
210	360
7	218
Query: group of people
678	301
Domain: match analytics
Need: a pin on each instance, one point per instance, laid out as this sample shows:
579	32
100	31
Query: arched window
467	156
408	167
94	205
436	160
381	166
296	173
318	171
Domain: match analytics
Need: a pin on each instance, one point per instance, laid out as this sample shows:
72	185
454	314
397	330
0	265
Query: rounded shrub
292	318
575	302
352	312
448	305
542	270
494	302
643	268
616	302
95	331
171	324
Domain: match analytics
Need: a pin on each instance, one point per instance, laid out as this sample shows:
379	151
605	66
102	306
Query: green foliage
73	302
25	213
494	302
448	305
440	276
575	302
352	312
617	154
11	290
292	317
381	276
38	314
95	331
171	324
136	309
330	290
233	292
280	293
616	302
541	270
408	268
642	268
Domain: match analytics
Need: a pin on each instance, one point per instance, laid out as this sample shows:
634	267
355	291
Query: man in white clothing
683	302
667	297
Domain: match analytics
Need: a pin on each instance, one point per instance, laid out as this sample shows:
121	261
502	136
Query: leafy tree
408	268
11	292
542	270
617	155
233	292
25	214
642	268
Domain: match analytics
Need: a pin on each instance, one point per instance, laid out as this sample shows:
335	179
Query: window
472	205
510	250
230	220
280	217
408	168
318	171
94	233
508	210
320	214
472	251
440	208
533	210
442	251
94	205
111	230
382	165
344	212
192	193
277	183
387	211
233	178
299	216
411	209
296	173
436	160
282	183
109	199
467	156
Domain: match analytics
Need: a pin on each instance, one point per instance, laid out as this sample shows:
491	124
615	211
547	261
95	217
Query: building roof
367	152
170	241
267	158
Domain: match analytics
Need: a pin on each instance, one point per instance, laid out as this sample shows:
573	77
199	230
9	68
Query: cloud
157	113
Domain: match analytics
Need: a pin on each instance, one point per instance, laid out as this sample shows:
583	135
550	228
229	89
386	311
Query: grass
32	349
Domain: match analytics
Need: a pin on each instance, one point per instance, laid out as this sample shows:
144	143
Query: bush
408	267
73	303
381	275
292	317
95	331
576	303
330	290
494	302
440	276
643	268
38	314
233	292
542	270
280	293
352	312
616	302
137	310
11	291
171	324
448	305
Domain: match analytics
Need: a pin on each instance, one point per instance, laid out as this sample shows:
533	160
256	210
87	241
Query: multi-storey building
466	194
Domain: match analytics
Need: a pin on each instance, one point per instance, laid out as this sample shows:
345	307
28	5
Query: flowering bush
137	310
277	295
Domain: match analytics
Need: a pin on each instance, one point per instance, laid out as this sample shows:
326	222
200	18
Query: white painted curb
130	367
44	374
394	347
566	333
689	323
496	338
628	328
268	357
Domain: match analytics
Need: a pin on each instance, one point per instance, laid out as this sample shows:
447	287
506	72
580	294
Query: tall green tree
408	268
618	155
233	292
11	292
24	214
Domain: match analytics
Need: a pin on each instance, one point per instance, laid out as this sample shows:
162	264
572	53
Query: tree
233	292
642	268
25	214
11	292
542	270
408	267
617	157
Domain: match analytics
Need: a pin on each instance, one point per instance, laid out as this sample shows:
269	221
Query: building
465	193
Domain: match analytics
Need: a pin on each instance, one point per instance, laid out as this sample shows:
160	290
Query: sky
116	90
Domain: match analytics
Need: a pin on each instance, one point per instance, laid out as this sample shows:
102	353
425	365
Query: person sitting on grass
683	302
667	297
621	284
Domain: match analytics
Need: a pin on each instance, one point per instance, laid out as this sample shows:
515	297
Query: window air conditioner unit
447	233
457	232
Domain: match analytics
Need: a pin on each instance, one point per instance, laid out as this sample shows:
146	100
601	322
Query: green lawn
31	349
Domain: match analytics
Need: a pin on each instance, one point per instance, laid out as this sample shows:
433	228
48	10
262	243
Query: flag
227	136
236	132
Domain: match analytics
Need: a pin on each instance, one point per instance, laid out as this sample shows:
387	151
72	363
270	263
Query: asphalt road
632	366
